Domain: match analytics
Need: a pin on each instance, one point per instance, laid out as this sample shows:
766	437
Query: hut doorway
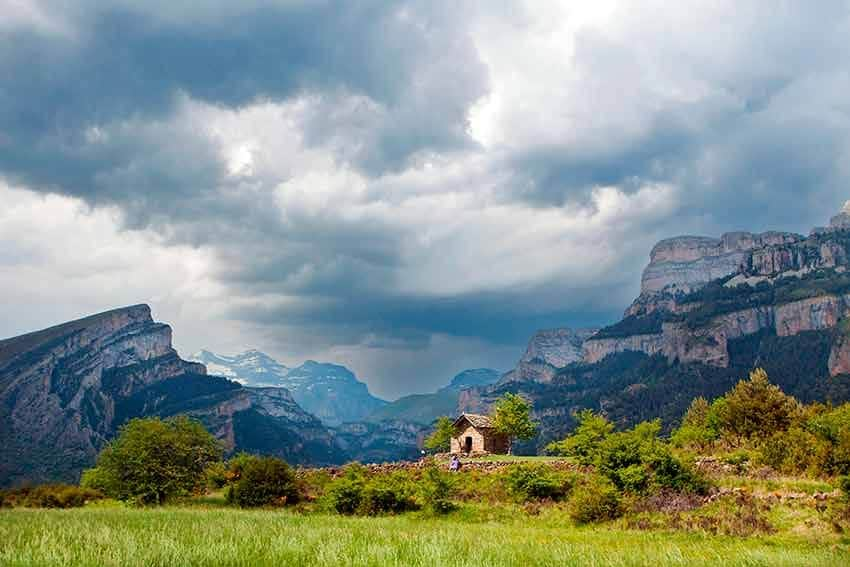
467	445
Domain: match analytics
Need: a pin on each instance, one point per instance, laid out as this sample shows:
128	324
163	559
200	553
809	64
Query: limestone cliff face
65	390
547	351
763	263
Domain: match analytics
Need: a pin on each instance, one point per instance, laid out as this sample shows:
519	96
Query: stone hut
475	435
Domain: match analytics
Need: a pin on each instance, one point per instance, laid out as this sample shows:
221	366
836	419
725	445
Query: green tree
263	481
756	408
440	439
698	429
592	429
152	460
512	417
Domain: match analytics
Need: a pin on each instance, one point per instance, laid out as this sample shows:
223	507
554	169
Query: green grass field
212	536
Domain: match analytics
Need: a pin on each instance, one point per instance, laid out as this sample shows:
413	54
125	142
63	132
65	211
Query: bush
527	482
584	443
387	494
346	494
216	475
263	481
357	493
596	500
49	496
437	489
756	408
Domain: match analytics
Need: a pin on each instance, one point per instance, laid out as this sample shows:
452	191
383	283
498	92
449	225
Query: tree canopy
441	438
512	417
152	460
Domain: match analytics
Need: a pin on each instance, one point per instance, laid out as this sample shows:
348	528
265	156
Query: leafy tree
152	460
512	417
699	426
592	429
756	408
263	481
441	438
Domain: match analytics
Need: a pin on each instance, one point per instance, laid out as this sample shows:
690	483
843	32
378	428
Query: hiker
454	466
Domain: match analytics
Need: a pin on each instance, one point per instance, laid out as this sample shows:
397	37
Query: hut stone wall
481	440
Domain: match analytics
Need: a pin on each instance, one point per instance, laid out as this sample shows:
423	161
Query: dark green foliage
699	427
595	500
635	325
716	299
261	434
387	494
526	482
176	395
512	417
263	481
358	493
440	439
345	494
48	496
436	490
818	443
584	442
152	460
755	407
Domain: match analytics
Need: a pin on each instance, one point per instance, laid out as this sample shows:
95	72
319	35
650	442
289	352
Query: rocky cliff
699	293
65	390
547	351
331	392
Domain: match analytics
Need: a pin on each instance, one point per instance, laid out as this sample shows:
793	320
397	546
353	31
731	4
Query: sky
408	188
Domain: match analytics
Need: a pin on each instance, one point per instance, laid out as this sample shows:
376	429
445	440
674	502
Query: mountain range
329	391
709	310
66	390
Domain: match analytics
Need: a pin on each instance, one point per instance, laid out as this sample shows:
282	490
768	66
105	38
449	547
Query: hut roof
476	420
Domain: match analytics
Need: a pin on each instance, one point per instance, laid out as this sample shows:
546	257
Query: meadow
206	536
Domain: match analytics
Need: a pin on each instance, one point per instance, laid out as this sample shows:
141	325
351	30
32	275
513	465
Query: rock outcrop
547	351
64	391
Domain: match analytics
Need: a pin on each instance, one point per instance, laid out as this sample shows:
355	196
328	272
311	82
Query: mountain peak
331	392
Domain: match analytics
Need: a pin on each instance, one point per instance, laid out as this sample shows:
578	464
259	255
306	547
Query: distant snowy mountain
329	391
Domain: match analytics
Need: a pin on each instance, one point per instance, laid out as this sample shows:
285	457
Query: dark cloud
123	63
330	155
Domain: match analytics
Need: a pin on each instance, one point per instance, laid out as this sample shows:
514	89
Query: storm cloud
408	187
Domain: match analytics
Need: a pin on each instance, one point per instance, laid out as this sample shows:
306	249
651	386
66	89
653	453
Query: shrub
49	496
263	481
345	494
387	494
536	482
216	475
596	500
833	427
698	430
583	444
756	408
437	489
152	460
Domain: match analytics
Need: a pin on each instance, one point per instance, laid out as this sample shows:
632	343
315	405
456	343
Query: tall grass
207	536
